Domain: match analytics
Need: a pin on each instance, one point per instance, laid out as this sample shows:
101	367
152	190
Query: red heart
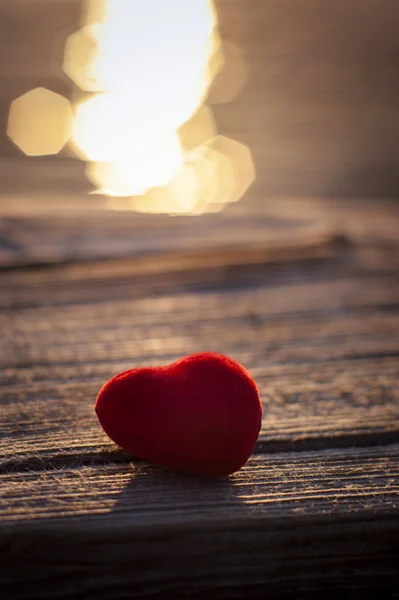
200	414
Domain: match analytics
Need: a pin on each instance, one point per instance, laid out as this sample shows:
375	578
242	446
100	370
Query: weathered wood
88	231
320	334
55	423
269	485
294	524
38	227
320	337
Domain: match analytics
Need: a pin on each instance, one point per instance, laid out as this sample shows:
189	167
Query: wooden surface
289	525
315	510
38	228
320	335
304	292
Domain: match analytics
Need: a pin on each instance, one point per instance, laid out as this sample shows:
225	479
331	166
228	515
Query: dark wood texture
320	335
315	511
295	525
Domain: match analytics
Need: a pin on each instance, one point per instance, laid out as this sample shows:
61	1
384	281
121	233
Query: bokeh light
241	166
145	74
107	129
198	130
40	122
232	77
148	67
93	11
80	53
146	48
215	58
152	162
213	175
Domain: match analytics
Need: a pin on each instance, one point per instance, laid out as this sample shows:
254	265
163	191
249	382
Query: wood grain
319	336
32	232
296	524
318	328
318	482
37	228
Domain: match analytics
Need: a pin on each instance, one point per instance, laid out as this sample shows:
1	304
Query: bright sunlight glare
148	66
143	73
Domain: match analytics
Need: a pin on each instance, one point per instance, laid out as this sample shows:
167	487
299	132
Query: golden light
151	65
242	169
216	57
199	16
184	193
152	162
146	134
143	72
208	181
192	191
40	122
198	130
93	11
106	128
79	58
105	122
232	77
145	48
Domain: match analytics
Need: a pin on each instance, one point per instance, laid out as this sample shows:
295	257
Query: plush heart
200	414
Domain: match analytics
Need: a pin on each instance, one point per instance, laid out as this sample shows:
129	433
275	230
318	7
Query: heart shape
200	414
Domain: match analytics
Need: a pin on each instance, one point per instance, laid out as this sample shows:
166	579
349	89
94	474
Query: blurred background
195	107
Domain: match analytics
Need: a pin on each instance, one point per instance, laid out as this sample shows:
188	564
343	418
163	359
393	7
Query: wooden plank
294	524
320	337
56	422
33	232
334	481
